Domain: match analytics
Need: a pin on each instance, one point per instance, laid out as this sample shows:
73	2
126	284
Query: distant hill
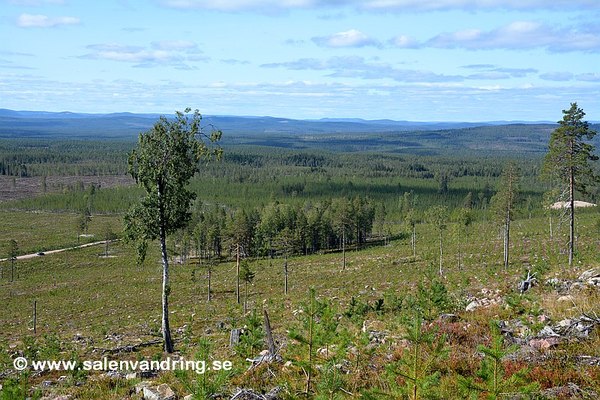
336	134
68	124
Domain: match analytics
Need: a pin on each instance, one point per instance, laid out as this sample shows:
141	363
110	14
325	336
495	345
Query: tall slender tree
12	250
238	235
503	203
166	158
343	223
247	276
438	217
568	161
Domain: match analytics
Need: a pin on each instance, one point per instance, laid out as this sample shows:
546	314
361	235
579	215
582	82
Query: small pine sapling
416	364
491	380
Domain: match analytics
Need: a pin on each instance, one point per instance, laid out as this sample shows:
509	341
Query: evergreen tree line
280	229
42	157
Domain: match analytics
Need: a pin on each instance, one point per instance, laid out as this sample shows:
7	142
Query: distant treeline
45	157
277	229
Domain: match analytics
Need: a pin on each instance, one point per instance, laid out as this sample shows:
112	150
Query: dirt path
26	256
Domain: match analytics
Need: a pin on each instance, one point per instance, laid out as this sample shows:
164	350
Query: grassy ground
88	303
42	231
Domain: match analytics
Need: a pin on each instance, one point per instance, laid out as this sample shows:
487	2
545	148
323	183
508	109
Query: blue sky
420	60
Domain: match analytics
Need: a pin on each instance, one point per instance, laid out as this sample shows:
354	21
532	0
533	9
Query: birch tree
166	158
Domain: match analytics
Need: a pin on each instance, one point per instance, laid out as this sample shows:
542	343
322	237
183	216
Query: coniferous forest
417	264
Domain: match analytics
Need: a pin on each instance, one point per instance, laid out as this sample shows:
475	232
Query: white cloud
171	53
174	45
568	76
350	38
492	72
520	35
430	5
44	21
379	5
358	68
404	42
589	77
239	5
296	99
557	76
35	3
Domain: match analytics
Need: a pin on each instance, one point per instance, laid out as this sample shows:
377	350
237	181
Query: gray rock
449	318
588	360
472	306
140	386
160	392
547	331
589	274
595	281
570	391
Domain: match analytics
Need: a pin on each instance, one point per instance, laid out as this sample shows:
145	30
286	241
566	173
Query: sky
417	60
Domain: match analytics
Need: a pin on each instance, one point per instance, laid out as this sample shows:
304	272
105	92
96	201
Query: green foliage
318	326
165	160
438	217
83	220
208	385
505	199
568	161
491	379
253	337
331	381
246	274
503	203
394	301
568	153
417	362
432	299
18	388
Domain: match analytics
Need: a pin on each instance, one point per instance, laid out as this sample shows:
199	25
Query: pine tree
568	160
247	275
438	217
12	250
503	203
